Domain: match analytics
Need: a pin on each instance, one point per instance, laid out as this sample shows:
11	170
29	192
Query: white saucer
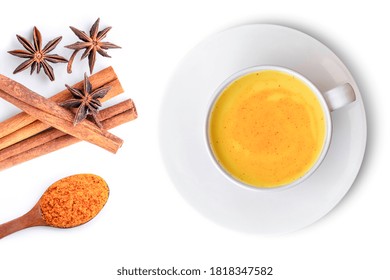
182	128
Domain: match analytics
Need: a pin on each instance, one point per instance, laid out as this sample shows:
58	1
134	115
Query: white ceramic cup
330	100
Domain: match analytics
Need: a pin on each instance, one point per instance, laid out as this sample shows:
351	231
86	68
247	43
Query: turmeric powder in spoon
67	203
73	200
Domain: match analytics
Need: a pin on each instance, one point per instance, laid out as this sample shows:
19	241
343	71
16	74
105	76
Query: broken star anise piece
86	101
92	44
37	57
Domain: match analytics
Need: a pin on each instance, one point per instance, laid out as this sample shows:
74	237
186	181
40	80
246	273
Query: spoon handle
30	219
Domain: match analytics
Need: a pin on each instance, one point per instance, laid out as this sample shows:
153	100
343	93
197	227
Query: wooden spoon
81	187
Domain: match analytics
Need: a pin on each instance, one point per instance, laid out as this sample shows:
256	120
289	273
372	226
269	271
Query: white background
146	223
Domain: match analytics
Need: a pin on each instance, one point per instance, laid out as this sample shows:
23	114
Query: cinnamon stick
32	126
60	140
52	133
49	112
99	79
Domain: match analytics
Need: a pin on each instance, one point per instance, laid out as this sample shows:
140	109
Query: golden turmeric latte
73	200
267	129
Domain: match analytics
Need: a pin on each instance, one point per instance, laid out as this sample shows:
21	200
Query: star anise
37	57
86	101
91	44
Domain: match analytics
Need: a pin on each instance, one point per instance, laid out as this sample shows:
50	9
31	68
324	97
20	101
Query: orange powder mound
74	200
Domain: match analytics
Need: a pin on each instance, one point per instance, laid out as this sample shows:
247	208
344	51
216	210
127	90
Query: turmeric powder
73	200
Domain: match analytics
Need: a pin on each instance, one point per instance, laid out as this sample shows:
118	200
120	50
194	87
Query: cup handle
339	96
